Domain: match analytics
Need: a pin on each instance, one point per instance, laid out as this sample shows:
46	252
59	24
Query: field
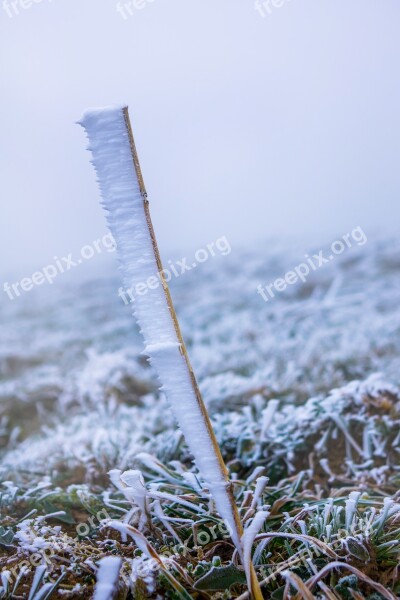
303	392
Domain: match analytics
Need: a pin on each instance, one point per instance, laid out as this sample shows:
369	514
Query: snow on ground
304	389
75	387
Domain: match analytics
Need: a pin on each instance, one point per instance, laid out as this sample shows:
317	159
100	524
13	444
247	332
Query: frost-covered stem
125	200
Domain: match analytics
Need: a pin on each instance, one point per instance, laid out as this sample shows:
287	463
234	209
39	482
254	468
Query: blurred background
277	119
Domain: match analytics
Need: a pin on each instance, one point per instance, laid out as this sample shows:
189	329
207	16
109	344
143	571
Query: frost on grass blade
125	200
107	578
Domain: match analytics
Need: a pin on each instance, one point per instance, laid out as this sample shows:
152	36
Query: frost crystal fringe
125	200
107	578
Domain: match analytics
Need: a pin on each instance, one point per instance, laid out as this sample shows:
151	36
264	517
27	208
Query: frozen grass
309	431
332	499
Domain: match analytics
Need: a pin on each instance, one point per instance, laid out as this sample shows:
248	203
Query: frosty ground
302	390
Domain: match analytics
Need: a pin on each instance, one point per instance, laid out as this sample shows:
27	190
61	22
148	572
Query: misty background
247	127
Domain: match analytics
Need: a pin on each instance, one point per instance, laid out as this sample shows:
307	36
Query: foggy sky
247	127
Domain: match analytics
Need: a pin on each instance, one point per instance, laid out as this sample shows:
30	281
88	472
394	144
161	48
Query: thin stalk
104	128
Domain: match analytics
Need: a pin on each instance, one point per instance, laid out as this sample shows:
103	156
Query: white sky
247	127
